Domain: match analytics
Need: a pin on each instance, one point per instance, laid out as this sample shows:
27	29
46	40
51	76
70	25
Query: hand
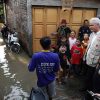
97	94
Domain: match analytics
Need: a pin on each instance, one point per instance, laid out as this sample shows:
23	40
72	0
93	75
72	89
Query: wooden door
47	19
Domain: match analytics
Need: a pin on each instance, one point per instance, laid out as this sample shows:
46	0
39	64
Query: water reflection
2	54
4	61
15	90
16	94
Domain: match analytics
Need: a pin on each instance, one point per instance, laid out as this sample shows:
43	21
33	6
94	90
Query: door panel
38	15
51	15
50	30
89	14
77	16
38	31
36	45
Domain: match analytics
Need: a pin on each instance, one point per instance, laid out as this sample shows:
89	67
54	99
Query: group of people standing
69	51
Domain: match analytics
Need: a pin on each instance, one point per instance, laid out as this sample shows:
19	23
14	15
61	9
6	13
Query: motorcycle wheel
15	48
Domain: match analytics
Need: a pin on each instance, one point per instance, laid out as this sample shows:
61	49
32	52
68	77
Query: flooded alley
73	29
16	81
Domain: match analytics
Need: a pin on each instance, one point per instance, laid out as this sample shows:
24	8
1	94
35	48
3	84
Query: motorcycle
13	42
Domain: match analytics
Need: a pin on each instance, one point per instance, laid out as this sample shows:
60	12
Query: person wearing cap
63	29
46	64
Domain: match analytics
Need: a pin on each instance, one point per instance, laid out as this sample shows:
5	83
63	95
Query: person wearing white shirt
92	55
72	39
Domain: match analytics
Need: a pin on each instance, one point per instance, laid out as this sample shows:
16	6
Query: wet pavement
16	81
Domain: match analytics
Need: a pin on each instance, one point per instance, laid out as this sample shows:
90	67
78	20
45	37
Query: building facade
36	18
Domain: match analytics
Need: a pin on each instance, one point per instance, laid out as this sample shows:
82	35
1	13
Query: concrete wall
29	26
17	17
10	14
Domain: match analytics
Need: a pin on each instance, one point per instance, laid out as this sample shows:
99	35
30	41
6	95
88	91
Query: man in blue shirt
46	64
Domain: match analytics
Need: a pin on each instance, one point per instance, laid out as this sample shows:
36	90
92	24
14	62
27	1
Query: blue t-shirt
46	64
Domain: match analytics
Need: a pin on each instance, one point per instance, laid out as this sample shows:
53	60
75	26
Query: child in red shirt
76	57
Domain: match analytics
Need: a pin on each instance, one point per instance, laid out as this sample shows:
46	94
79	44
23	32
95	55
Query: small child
63	63
72	39
76	57
85	42
64	42
64	55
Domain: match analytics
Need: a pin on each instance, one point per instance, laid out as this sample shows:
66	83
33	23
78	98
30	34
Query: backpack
61	31
37	94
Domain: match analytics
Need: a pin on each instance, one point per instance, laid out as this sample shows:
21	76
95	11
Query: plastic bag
37	94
